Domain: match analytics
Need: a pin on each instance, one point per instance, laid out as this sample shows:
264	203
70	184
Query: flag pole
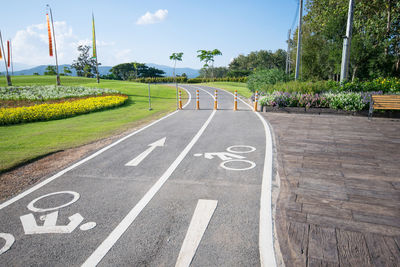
11	58
55	48
5	62
95	49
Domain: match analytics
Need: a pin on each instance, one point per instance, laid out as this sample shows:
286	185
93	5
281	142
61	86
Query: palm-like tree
208	56
176	57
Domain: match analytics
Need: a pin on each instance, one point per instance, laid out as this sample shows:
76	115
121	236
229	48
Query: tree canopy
84	65
133	70
375	44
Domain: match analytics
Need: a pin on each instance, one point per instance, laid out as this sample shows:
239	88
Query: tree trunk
354	73
389	18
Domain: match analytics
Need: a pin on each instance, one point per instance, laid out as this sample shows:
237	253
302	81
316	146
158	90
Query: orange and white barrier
216	100
255	101
197	100
235	101
180	99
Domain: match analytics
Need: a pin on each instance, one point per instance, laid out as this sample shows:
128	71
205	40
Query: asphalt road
190	189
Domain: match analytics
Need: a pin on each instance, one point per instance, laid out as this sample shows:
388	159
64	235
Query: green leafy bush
385	85
160	80
261	80
225	79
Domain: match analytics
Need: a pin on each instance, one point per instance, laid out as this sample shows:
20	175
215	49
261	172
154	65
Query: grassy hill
24	142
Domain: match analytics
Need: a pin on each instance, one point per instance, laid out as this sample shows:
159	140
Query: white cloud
30	45
150	18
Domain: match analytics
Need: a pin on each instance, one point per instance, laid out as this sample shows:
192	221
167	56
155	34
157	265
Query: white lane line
198	225
266	236
204	91
136	161
113	237
50	179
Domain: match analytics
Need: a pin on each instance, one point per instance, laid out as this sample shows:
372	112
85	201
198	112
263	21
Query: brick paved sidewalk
339	198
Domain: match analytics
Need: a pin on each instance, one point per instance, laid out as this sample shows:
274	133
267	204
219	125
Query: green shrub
262	80
160	80
224	79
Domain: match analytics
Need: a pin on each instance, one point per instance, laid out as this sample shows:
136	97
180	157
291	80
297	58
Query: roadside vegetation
23	142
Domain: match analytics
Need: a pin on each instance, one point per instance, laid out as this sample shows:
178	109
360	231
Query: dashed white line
198	225
113	237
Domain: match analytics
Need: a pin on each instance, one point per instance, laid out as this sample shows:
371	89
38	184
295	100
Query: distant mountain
103	70
169	71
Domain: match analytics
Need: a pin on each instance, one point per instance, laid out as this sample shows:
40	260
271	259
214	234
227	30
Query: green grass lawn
23	142
231	87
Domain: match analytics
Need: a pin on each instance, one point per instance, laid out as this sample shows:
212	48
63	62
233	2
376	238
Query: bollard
197	100
216	100
255	101
180	99
235	101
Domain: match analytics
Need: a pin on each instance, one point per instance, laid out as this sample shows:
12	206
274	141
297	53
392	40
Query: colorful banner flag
94	38
8	54
1	56
49	32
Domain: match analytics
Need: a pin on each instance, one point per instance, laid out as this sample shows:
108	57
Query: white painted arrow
136	161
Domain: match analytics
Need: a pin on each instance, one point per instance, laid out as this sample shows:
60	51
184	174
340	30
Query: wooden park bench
384	102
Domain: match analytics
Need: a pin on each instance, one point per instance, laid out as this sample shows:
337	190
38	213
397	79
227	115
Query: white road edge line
201	217
266	237
113	237
195	87
50	179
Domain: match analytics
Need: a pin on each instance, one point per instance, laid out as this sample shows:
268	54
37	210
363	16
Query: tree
85	65
50	70
375	45
208	56
262	59
176	57
219	72
67	71
133	70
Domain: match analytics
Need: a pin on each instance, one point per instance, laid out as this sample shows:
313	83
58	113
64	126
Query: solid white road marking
266	236
204	91
57	175
9	238
198	225
223	155
34	209
113	237
87	226
49	227
252	165
251	149
136	161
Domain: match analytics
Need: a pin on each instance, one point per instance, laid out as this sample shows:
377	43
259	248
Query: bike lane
97	194
237	141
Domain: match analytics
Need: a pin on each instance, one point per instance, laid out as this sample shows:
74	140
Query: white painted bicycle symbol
231	157
49	220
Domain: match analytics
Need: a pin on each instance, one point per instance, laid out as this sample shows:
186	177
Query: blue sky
234	27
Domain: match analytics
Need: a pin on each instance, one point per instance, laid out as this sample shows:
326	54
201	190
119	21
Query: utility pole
296	77
288	54
344	70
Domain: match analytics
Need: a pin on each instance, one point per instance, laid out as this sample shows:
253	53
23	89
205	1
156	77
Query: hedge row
65	109
186	80
386	85
225	79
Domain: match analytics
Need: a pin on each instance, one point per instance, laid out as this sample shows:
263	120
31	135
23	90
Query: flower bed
43	93
348	101
65	109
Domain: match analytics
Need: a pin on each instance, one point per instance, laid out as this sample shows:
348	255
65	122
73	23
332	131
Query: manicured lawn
23	142
231	87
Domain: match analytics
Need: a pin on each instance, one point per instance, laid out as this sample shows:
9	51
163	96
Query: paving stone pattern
339	201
